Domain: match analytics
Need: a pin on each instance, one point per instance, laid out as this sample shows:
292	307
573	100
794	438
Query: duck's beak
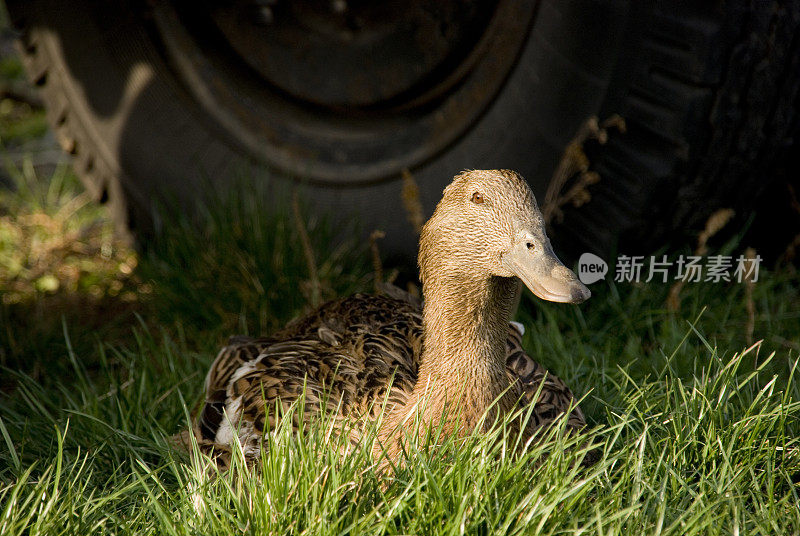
538	267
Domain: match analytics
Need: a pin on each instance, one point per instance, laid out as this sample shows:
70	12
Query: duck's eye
477	198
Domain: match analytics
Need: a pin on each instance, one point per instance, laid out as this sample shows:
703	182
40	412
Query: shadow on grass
60	266
235	268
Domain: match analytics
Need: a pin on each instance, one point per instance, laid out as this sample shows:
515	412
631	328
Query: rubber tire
709	98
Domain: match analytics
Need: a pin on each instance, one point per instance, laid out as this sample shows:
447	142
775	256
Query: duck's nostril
529	245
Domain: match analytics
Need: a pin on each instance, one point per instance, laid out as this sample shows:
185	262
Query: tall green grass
713	454
697	431
241	266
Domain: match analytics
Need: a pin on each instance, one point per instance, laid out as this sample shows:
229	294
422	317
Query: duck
455	361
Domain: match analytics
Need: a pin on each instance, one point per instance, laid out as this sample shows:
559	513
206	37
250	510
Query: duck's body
351	351
455	364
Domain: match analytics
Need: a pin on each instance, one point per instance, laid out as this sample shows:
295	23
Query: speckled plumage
362	350
350	348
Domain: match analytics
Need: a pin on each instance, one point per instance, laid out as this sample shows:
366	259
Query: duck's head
488	224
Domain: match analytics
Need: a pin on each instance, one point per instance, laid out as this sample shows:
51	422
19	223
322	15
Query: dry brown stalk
575	162
790	252
377	265
308	251
674	296
714	224
749	285
411	202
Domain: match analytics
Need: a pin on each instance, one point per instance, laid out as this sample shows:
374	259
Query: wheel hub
344	92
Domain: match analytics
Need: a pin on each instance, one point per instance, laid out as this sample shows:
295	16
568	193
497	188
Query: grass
58	259
103	359
22	117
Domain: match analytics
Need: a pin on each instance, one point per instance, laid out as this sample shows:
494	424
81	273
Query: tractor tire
162	102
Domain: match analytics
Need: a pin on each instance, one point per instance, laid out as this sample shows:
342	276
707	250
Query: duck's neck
464	358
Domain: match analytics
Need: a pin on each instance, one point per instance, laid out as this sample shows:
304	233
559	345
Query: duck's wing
236	353
551	395
395	292
347	353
